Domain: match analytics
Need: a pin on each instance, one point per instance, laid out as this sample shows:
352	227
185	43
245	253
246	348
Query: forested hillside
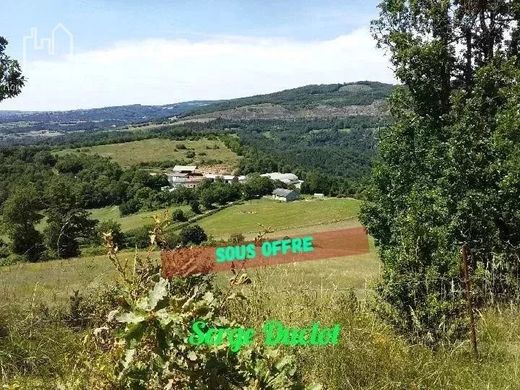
362	93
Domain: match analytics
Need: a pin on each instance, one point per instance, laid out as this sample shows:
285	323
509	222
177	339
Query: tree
195	206
178	216
257	185
207	198
445	174
11	79
66	221
110	226
20	214
129	207
139	237
192	234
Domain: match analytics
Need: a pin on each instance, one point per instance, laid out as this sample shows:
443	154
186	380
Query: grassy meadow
136	220
156	150
56	280
248	217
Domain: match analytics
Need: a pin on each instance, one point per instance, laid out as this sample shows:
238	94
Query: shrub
236	239
11	259
4	250
147	344
195	206
138	238
190	154
170	240
192	234
178	216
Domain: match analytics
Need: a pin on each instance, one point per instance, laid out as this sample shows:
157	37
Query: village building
184	176
285	195
189	169
188	176
286	178
226	178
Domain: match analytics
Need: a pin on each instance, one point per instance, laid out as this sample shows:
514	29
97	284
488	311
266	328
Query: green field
155	150
133	221
54	281
247	218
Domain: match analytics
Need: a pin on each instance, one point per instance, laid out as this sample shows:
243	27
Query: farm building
286	178
189	169
285	195
226	178
184	176
188	176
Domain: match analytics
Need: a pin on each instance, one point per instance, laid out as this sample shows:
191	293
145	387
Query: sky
96	53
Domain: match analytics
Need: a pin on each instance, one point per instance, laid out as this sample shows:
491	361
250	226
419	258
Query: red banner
326	245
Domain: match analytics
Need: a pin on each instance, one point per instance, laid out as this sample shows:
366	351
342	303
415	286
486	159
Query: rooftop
284	177
179	168
281	192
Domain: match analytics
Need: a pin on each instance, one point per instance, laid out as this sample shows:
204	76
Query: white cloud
168	71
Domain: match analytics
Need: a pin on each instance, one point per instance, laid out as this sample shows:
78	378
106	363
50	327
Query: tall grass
370	355
38	345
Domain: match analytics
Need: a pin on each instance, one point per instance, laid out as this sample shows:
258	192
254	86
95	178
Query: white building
285	195
286	178
184	176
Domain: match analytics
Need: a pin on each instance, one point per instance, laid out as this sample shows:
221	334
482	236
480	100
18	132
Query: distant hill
312	101
327	128
49	123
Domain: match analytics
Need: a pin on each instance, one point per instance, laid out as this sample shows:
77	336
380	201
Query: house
184	176
285	195
286	178
192	182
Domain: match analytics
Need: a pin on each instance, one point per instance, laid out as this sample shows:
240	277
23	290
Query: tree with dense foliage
21	212
448	167
138	237
11	79
67	222
178	216
195	206
257	185
114	228
192	234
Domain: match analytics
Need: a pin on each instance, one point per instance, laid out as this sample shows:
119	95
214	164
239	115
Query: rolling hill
311	101
328	101
16	124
